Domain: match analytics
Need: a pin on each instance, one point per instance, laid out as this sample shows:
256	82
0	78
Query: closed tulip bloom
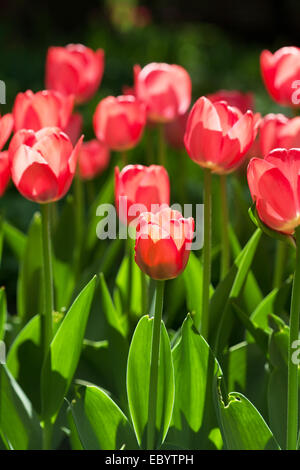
139	184
218	136
42	109
278	131
74	70
119	122
274	186
4	171
165	89
242	101
281	74
163	243
74	127
93	159
43	163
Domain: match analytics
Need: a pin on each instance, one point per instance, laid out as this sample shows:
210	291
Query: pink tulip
6	126
4	171
278	131
93	159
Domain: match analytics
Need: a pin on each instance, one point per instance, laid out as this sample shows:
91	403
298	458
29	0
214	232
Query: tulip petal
6	127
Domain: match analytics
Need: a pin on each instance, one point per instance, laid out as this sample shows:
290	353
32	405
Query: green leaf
100	423
65	349
242	426
114	318
24	360
15	239
138	378
221	315
19	424
194	415
29	294
3	312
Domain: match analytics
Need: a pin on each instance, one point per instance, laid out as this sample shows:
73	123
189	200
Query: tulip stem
161	145
47	329
206	254
280	260
152	404
225	249
292	402
129	252
48	278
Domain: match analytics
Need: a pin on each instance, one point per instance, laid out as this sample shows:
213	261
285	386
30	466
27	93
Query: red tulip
74	127
43	163
138	184
281	74
4	171
119	122
6	126
74	70
175	130
165	89
42	109
274	187
163	243
218	136
242	101
93	159
278	131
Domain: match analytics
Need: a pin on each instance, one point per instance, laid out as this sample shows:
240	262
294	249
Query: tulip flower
4	171
6	127
43	163
119	122
74	127
74	70
281	75
163	243
242	101
93	159
278	131
218	136
164	89
42	109
138	184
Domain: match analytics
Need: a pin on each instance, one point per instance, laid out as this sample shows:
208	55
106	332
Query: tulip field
156	297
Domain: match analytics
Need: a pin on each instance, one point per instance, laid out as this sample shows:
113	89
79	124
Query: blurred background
219	44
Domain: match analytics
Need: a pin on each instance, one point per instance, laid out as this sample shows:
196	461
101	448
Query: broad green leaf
74	437
242	426
30	283
194	414
100	423
3	312
115	319
24	360
138	378
15	239
64	353
221	316
18	422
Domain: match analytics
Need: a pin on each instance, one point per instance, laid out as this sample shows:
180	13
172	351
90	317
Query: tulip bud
164	89
163	243
119	122
138	184
274	186
6	126
281	74
4	172
74	70
43	163
93	159
218	136
42	109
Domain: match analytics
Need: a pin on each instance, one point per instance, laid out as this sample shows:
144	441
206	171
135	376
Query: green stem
206	254
154	365
124	158
48	278
129	273
47	329
292	405
161	146
280	260
225	249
